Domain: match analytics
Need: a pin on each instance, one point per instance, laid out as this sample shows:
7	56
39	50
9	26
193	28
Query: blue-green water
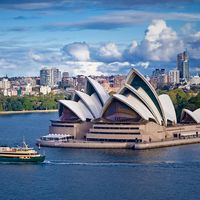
73	174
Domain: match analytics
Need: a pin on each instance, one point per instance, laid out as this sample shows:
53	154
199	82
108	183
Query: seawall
120	145
90	145
26	111
152	145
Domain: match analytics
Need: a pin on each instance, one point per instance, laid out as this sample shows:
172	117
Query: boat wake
163	164
57	162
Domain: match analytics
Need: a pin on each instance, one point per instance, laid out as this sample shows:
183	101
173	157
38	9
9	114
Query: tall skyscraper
55	76
50	77
45	77
183	66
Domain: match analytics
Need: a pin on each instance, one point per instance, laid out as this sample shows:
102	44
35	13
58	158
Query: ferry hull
23	160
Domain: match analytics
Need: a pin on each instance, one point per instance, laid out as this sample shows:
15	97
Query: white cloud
145	65
158	30
161	43
110	51
82	68
132	47
78	51
35	57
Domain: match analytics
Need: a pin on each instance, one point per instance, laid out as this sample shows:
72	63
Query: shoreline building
136	114
183	66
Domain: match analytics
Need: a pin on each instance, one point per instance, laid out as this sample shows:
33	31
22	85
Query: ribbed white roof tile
89	101
197	113
97	102
194	115
134	104
168	108
77	108
145	99
132	74
103	95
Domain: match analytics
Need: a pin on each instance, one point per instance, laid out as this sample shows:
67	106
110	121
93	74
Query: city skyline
100	37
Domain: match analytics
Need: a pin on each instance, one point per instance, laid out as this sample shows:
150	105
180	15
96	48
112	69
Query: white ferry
20	154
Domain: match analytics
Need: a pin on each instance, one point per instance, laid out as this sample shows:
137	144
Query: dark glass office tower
183	66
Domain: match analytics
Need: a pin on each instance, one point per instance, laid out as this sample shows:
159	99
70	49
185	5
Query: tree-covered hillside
182	99
30	102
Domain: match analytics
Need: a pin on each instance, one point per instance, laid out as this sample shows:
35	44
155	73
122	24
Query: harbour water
73	174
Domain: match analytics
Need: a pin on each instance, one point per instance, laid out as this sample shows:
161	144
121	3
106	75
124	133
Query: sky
97	37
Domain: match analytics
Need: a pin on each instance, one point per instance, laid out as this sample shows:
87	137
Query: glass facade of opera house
135	114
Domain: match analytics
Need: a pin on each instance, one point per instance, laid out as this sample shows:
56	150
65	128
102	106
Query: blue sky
97	37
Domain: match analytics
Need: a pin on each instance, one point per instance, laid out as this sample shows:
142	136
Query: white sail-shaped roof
197	113
102	94
78	108
90	103
193	115
96	101
134	104
141	94
168	107
147	92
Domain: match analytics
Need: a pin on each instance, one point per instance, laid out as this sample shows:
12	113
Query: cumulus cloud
78	51
107	53
160	43
110	50
159	46
145	65
81	51
45	56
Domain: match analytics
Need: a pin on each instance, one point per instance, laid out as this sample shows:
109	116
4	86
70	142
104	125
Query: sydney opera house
136	114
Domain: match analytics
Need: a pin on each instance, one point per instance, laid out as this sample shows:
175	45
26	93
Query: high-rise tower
183	66
50	77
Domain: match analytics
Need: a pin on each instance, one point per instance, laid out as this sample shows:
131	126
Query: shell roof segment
194	115
77	108
96	87
139	82
91	104
168	108
145	99
133	103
